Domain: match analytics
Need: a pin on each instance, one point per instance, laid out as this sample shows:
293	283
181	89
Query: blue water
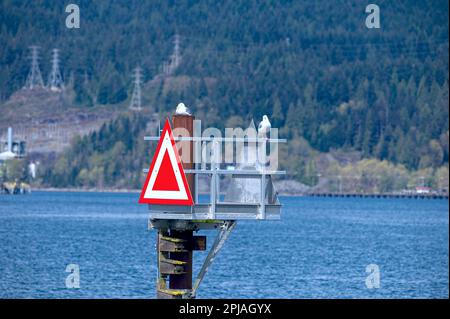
320	249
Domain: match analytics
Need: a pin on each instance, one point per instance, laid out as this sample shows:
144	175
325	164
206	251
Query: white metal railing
215	171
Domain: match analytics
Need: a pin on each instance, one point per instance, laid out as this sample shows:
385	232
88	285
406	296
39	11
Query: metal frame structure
55	81
34	78
176	223
217	209
136	97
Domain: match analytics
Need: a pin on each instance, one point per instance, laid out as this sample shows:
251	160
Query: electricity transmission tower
34	78
176	52
55	82
136	103
175	58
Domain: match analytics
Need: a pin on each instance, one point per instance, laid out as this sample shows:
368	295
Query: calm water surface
320	249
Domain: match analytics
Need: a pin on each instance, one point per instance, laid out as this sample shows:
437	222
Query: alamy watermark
373	278
73	19
73	279
245	147
373	19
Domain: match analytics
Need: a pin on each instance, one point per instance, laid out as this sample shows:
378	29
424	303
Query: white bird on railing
264	127
182	109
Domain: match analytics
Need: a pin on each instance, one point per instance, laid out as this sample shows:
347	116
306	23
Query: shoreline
85	190
112	190
349	195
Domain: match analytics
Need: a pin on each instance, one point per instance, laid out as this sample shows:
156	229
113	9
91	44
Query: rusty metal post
186	122
175	247
184	281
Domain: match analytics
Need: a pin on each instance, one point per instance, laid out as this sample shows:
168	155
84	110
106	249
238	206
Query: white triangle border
181	194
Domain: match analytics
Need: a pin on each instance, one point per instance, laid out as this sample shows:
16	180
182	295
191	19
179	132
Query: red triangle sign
166	182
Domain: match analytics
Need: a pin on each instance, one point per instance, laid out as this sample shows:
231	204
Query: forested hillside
312	66
112	157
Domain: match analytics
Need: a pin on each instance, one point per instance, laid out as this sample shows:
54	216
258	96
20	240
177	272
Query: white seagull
182	109
264	127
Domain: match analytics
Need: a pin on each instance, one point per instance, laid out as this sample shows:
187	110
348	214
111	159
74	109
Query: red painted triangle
166	181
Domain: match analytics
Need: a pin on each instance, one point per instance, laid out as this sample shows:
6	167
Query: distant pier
14	188
382	195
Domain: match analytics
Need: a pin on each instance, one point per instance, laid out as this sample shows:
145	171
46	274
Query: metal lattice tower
175	58
176	53
55	82
34	78
136	102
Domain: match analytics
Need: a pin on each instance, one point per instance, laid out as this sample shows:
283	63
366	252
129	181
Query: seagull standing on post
264	127
182	109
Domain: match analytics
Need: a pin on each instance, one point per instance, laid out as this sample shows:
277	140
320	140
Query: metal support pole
217	154
214	177
261	151
263	196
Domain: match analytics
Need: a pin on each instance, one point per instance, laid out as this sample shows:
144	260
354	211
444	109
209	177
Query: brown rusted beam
186	122
171	267
171	247
174	245
198	243
170	294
